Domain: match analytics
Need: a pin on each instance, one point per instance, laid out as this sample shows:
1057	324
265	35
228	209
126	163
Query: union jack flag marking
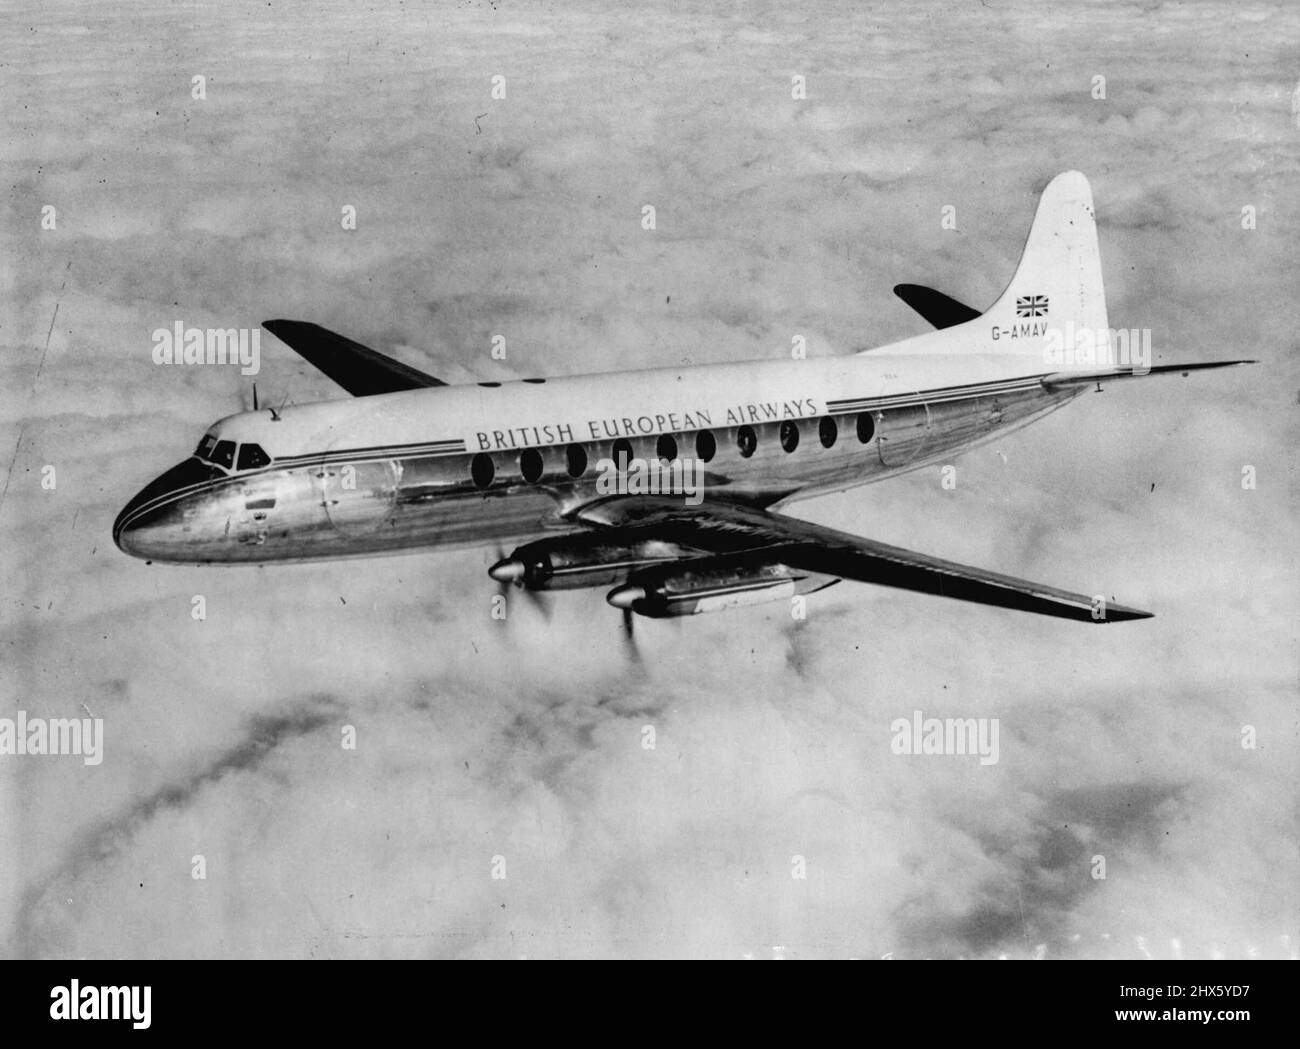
1031	306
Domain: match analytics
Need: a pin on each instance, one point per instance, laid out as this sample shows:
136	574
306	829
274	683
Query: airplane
410	463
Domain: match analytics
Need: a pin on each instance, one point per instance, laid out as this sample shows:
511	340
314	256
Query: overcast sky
523	740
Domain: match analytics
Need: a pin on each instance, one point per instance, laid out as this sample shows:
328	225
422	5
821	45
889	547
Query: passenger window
706	446
482	469
827	431
666	447
789	435
251	457
204	450
576	457
746	441
531	465
224	454
866	427
622	453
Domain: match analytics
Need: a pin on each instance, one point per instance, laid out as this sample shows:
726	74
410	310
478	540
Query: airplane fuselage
494	463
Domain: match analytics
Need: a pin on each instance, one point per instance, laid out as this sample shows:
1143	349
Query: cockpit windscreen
223	453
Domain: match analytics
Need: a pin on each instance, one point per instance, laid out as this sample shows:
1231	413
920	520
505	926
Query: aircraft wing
720	527
358	369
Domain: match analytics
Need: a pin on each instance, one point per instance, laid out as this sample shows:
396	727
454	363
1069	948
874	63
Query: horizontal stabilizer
358	369
936	307
1060	380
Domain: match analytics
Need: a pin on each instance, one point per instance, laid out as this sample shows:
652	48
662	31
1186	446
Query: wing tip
1122	614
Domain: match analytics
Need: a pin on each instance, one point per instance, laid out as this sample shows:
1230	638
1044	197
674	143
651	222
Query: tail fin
1057	286
1059	276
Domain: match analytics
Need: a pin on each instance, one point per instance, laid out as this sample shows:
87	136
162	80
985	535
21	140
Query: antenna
254	396
275	412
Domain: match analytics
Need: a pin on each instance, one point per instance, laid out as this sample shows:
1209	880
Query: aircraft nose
133	523
119	527
147	514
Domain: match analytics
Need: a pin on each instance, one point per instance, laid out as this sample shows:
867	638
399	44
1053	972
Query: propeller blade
629	636
540	600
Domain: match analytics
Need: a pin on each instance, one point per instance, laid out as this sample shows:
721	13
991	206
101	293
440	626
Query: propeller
509	575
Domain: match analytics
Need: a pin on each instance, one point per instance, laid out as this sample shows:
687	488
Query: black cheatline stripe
970	388
948	393
955	389
332	460
395	451
375	456
449	443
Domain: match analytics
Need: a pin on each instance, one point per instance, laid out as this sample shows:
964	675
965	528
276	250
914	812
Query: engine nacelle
584	560
711	585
